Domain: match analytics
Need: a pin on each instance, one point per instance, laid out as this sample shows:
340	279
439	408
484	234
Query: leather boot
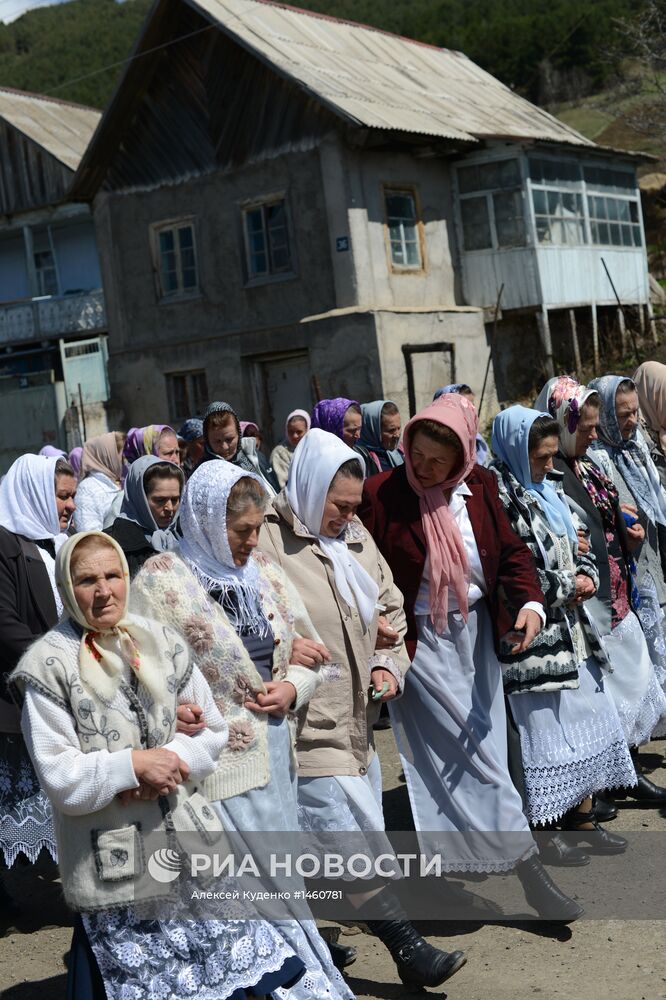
543	895
418	963
604	807
558	852
342	955
597	840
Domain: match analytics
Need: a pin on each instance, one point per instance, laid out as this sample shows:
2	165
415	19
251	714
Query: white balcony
52	316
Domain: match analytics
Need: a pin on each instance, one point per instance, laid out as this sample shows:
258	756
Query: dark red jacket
390	511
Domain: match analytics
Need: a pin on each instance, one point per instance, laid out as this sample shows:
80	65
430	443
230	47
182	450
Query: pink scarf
449	565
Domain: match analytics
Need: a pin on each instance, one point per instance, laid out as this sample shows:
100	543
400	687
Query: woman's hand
380	677
584	588
190	719
583	542
144	793
279	697
308	653
528	624
386	634
635	536
159	768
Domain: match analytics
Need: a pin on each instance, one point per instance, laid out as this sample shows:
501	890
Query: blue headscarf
482	449
631	457
511	432
371	433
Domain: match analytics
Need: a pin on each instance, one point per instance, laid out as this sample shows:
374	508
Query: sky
11	9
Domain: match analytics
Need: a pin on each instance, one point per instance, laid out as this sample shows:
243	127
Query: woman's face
541	458
243	533
65	491
586	432
432	461
167	449
296	429
99	585
391	427
342	500
224	440
351	427
626	411
164	500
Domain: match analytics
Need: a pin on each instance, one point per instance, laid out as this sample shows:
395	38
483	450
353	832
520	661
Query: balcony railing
52	316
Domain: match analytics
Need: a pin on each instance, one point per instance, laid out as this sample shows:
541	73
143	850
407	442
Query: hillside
547	49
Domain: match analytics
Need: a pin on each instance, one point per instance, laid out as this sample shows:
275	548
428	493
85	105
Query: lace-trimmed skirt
571	743
633	685
26	822
451	730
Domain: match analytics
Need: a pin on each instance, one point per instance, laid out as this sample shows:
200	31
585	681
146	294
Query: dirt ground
518	960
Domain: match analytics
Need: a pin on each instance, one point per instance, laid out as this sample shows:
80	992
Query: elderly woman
155	439
314	535
234	609
296	426
650	382
462	389
639	699
223	439
440	525
99	696
571	738
101	474
146	523
191	444
339	416
36	506
380	436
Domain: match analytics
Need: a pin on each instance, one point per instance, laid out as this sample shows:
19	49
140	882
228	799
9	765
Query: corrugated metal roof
62	129
383	81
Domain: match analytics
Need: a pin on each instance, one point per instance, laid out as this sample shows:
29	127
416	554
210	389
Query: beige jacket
335	728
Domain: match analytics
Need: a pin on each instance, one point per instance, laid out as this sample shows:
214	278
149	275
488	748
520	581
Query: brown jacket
335	732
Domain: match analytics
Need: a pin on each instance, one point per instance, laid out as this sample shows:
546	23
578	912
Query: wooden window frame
156	228
187	375
268	277
412	190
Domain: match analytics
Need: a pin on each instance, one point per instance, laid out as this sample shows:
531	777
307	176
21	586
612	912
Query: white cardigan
79	783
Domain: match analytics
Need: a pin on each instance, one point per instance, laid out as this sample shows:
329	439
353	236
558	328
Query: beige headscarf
103	655
100	454
650	379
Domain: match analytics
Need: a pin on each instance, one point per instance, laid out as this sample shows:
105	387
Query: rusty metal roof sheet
62	129
384	81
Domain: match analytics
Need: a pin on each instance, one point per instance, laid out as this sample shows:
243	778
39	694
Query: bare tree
643	40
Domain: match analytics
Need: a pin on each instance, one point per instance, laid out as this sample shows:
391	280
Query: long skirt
26	821
342	803
275	808
653	622
451	730
182	959
571	743
632	683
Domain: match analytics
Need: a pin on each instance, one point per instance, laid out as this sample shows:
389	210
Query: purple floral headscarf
329	414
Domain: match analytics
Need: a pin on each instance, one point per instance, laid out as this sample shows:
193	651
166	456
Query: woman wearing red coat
469	583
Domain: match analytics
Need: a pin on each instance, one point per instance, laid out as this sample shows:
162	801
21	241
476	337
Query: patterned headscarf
329	414
563	398
449	565
205	544
190	430
632	457
144	441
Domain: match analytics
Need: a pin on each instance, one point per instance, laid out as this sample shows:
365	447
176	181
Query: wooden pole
492	342
623	330
595	338
83	414
574	342
546	341
652	324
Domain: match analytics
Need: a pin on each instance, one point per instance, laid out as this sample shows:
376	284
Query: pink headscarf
449	565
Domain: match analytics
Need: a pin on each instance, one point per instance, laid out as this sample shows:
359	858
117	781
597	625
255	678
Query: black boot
418	963
543	895
558	852
646	791
342	955
597	840
9	908
604	807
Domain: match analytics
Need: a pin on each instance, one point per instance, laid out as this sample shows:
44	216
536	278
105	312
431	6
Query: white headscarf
317	458
205	543
28	500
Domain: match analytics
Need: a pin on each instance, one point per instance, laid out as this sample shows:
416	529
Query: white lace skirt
633	685
26	820
572	745
450	727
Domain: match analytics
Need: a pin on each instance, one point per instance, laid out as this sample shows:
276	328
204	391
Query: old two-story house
52	317
291	206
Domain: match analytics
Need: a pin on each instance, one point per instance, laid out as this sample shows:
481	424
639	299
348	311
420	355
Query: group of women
225	646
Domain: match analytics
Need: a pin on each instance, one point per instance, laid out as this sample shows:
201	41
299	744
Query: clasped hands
159	771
